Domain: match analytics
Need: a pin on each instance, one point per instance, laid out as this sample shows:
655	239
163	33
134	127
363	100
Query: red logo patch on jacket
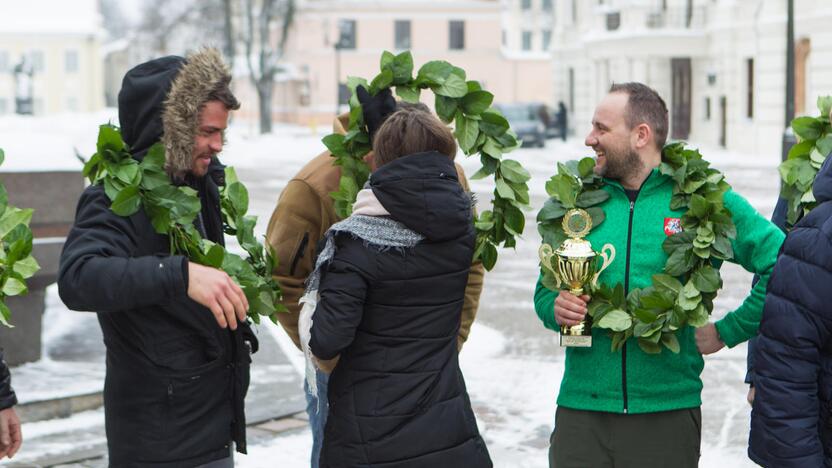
672	226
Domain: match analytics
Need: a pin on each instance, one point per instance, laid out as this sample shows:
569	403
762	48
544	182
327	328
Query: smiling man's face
213	119
612	139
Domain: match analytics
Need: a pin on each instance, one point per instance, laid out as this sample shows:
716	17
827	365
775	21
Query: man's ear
643	135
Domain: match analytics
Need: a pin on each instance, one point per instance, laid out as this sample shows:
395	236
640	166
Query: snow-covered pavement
512	365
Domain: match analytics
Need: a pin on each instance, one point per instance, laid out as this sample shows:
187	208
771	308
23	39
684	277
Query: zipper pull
632	205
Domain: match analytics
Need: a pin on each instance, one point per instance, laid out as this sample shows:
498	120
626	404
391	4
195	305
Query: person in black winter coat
392	284
177	342
791	420
10	436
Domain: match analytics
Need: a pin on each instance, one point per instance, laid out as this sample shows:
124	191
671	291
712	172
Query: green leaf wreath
479	128
132	185
805	158
681	295
16	261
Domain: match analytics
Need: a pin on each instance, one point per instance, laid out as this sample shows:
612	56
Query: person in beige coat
305	211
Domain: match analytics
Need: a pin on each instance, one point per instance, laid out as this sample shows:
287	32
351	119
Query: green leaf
5	315
382	81
515	220
670	342
680	240
445	108
238	196
597	215
2	156
565	188
466	132
435	72
489	256
13	217
824	105
513	171
491	146
552	209
818	155
402	67
476	102
386	60
706	279
127	201
586	167
109	138
504	190
14	287
454	87
649	347
335	144
493	123
26	267
591	198
679	262
215	254
616	320
801	149
698	317
807	128
657	300
408	94
699	207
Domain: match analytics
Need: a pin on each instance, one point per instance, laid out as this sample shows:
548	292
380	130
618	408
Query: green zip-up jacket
630	380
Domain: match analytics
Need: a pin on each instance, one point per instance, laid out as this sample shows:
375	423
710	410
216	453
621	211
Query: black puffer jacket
175	383
791	423
397	397
7	396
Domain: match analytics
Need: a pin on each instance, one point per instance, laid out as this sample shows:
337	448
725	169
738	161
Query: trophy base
576	341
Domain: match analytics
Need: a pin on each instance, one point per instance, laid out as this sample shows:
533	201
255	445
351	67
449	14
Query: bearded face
613	140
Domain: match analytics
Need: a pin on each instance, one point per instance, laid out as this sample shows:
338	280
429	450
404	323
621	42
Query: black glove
375	108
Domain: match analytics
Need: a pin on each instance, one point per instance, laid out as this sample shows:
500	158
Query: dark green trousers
594	439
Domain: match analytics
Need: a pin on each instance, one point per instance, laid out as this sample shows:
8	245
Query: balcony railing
676	18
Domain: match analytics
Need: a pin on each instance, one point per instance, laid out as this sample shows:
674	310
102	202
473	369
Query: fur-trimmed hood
160	100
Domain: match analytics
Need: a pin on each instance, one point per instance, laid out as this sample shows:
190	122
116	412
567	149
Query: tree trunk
230	49
265	87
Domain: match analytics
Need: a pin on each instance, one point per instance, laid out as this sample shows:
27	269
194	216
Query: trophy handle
608	253
545	253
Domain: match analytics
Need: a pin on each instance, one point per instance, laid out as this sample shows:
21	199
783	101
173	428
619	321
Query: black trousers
595	439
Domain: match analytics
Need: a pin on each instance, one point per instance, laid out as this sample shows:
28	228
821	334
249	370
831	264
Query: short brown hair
644	105
222	93
411	130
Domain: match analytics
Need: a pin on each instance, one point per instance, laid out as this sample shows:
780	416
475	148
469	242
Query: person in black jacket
388	301
791	419
175	331
10	435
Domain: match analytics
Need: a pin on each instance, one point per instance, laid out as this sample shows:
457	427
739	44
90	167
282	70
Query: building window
749	72
527	40
402	34
613	21
343	94
572	89
547	5
574	11
4	61
707	108
72	104
547	39
456	30
526	4
71	61
346	34
38	62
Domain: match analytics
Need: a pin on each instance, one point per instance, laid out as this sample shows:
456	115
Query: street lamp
789	139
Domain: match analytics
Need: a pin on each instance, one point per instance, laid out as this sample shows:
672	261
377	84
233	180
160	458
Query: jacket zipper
627	291
299	253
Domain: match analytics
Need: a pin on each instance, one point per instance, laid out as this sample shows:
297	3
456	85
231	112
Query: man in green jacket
628	408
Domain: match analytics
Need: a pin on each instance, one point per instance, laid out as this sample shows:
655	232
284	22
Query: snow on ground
512	367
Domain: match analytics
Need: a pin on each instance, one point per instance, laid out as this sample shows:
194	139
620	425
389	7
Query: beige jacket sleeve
293	232
476	277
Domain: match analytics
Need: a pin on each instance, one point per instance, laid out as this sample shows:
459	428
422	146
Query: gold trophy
575	264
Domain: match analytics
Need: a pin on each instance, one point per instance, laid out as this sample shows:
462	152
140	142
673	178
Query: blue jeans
317	414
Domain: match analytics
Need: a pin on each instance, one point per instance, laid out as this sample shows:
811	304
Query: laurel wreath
683	293
132	185
16	261
479	129
805	158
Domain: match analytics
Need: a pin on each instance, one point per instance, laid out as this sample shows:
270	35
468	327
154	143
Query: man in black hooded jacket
177	341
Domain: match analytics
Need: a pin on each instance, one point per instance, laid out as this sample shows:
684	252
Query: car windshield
517	113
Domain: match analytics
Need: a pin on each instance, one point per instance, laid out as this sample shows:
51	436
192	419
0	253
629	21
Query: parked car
526	122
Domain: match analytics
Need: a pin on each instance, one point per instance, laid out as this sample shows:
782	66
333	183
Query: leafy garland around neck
132	185
683	293
798	172
479	128
16	261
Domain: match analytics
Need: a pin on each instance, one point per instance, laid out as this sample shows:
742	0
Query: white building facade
719	64
60	42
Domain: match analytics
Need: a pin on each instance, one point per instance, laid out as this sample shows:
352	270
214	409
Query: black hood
422	191
140	102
